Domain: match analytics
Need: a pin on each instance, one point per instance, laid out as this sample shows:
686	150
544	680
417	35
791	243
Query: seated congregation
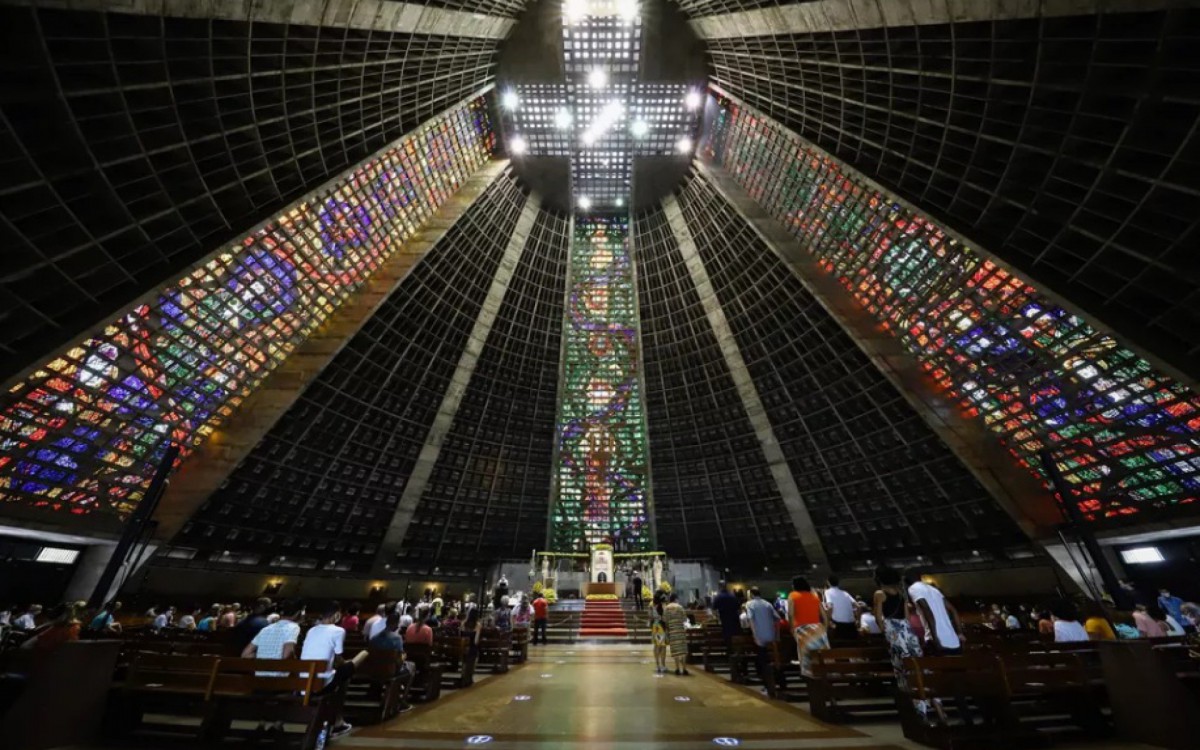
285	671
1017	674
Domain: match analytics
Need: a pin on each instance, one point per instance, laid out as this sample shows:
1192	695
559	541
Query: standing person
764	625
522	613
840	606
658	637
725	604
807	619
943	628
675	617
252	624
229	617
501	591
105	620
891	612
638	601
541	614
1173	606
28	620
437	605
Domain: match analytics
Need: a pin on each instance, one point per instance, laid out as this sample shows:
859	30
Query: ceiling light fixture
639	128
575	10
562	118
585	202
598	78
693	100
510	100
517	146
588	138
620	202
684	145
627	10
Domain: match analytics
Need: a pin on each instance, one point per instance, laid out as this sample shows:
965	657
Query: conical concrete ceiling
153	160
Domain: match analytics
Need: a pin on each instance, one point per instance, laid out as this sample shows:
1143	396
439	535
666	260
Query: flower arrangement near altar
664	587
602	597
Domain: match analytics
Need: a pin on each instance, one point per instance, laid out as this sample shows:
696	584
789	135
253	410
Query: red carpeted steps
602	619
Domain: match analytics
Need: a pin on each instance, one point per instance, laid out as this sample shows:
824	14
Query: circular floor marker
522	697
547	675
560	662
726	741
480	739
682	698
659	675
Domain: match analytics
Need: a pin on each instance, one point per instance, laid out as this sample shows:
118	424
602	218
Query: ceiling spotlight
639	128
575	10
620	202
684	145
517	146
588	138
562	118
510	100
585	202
692	100
598	78
628	10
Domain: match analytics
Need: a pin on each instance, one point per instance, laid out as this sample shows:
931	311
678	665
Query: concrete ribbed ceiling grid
136	141
1060	136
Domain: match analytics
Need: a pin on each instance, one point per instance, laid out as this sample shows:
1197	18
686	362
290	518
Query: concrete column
788	489
431	450
90	566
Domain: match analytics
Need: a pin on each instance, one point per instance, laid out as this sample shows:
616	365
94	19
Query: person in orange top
63	629
807	618
540	618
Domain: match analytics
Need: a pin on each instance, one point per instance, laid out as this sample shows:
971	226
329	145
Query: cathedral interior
355	296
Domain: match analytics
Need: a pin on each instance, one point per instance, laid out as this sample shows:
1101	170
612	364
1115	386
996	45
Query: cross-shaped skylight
603	116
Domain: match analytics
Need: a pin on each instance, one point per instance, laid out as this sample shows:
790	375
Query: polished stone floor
607	696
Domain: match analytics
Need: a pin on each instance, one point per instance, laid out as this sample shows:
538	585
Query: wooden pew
695	644
177	686
520	645
269	691
969	703
427	682
713	650
454	653
494	647
845	674
1042	687
375	693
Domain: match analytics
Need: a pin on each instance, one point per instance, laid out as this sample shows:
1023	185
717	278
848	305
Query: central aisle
605	696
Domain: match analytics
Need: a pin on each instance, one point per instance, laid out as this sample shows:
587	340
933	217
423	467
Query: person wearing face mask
1173	607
